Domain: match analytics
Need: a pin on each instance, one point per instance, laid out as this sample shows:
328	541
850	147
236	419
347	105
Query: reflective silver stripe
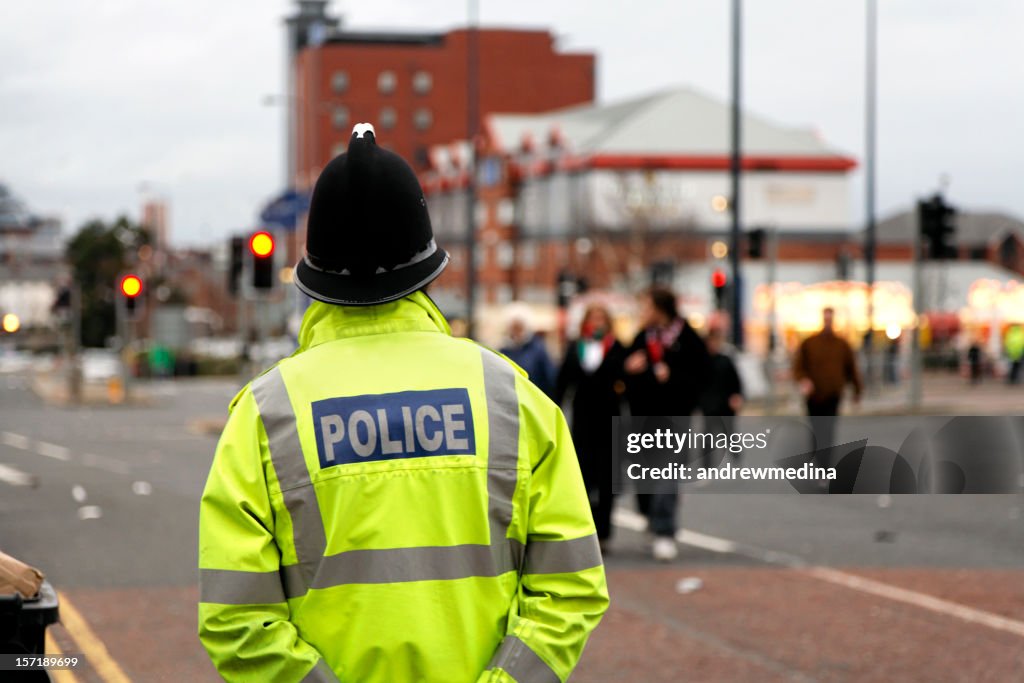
232	587
421	255
290	466
502	454
562	557
394	565
397	565
292	579
321	673
515	658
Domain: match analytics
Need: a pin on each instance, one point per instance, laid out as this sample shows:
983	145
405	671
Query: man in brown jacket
824	364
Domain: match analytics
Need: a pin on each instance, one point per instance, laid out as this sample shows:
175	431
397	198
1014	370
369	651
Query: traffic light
261	245
937	222
236	256
719	287
755	243
131	288
663	273
568	287
11	323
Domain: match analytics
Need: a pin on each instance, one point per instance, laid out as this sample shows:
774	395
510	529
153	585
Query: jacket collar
328	322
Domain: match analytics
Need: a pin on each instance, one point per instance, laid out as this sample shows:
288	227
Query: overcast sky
106	100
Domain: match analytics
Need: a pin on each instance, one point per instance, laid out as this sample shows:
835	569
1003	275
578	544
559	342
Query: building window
339	82
528	254
386	82
422	82
340	117
388	118
422	119
506	255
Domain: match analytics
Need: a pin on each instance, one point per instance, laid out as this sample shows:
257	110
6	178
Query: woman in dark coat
666	370
592	372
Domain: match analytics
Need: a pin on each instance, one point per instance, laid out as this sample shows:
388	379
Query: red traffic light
261	244
131	286
718	279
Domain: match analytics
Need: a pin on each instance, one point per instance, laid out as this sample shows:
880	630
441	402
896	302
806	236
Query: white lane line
922	600
52	450
15	440
90	512
104	463
628	519
14	477
712	543
78	493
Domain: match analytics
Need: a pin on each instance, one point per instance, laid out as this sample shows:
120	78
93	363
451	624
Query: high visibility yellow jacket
393	504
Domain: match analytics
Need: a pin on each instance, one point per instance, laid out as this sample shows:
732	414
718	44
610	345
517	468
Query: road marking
90	512
628	519
634	521
78	493
104	463
922	600
14	477
92	647
52	450
14	440
712	543
58	675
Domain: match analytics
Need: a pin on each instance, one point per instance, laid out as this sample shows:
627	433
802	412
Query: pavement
943	393
104	499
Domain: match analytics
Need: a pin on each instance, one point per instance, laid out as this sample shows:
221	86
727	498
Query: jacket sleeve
243	614
852	372
735	382
562	592
567	374
800	362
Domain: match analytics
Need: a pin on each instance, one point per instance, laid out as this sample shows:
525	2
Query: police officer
391	503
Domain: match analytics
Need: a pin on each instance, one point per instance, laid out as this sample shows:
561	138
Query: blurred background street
109	499
781	172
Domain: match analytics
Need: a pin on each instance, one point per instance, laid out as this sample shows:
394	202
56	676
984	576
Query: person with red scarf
592	373
666	369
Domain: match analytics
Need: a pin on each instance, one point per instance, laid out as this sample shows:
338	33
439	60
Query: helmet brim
380	288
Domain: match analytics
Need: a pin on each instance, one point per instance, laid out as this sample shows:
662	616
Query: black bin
23	623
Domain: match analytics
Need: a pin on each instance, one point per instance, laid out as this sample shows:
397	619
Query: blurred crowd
667	368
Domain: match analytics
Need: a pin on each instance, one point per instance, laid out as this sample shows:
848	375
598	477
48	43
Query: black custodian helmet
368	237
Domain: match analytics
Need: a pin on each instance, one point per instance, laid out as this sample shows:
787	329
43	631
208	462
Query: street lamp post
472	116
734	177
870	233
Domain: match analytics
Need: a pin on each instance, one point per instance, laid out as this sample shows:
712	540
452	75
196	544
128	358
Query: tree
98	254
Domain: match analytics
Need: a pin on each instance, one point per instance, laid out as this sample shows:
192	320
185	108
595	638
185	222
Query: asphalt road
105	501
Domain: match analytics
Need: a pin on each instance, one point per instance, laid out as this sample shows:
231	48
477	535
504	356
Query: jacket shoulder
497	353
248	387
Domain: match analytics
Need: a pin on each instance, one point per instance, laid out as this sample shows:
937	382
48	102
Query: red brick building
412	88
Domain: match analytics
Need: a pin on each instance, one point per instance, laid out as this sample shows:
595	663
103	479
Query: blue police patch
406	424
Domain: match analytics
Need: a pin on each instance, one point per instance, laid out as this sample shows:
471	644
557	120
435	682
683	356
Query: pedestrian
722	399
525	347
975	361
892	360
824	365
390	503
592	373
666	369
1013	342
